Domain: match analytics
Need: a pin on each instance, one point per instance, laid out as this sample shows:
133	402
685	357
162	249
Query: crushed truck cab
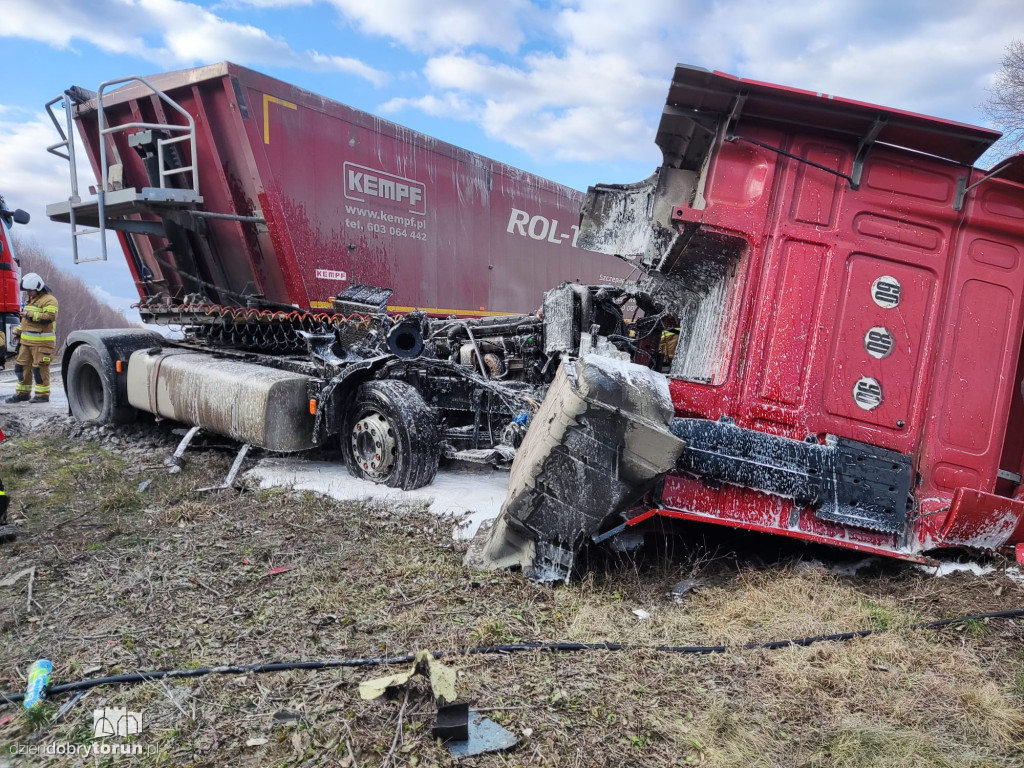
843	292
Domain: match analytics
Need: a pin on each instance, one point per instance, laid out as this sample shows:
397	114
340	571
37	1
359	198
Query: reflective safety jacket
39	326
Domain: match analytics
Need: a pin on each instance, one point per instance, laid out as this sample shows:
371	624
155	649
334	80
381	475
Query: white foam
472	495
948	568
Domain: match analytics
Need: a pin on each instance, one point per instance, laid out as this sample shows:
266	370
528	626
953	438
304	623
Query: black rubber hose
285	666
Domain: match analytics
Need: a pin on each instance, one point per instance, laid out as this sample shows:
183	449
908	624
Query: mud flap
600	440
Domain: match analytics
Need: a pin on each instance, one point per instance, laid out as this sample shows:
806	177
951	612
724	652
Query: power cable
555	647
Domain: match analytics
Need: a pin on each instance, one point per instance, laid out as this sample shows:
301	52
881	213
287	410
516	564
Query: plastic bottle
38	679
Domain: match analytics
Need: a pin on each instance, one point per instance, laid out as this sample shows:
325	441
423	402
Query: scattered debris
287	717
682	588
38	679
485	735
68	705
442	679
641	614
466	733
144	485
13	579
452	722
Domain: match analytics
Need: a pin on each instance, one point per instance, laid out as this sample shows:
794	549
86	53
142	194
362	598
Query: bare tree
79	308
1006	104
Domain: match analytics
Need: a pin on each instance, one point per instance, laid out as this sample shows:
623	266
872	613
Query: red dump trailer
229	184
841	304
333	273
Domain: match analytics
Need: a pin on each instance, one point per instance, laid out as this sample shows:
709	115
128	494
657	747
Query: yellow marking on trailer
436	311
428	310
267	101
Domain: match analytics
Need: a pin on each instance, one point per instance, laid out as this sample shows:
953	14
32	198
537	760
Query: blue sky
567	89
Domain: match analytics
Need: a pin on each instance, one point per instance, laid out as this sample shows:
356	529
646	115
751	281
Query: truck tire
92	390
391	436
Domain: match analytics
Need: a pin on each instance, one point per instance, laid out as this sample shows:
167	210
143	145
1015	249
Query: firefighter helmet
32	282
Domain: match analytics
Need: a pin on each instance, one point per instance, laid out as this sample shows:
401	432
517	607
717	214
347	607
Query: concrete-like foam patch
471	495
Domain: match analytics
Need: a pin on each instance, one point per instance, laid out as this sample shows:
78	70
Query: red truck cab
855	281
847	294
10	291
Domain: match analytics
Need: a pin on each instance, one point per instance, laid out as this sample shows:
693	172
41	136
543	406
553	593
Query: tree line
79	308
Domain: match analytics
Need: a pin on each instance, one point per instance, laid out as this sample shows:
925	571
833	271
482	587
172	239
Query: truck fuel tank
253	404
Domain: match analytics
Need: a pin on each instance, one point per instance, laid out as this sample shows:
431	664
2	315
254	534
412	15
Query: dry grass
170	578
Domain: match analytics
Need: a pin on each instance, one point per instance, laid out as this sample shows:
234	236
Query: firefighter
37	334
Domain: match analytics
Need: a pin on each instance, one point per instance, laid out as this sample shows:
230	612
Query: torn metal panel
635	221
597	444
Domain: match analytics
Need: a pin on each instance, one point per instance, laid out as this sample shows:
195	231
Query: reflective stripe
41	390
23	387
34	336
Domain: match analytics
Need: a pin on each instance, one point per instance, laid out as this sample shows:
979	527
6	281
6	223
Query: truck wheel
391	436
92	390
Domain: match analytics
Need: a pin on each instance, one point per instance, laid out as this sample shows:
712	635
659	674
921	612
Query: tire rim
373	446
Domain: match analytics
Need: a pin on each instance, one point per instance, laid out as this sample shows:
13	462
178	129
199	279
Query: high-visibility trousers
33	366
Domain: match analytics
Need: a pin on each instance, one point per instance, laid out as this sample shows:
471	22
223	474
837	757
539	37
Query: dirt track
169	577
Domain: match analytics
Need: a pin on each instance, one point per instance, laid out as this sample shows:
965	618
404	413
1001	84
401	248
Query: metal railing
185	133
67	143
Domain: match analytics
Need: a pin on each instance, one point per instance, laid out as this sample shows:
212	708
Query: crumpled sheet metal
599	441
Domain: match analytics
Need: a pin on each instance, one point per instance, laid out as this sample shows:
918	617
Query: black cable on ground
285	666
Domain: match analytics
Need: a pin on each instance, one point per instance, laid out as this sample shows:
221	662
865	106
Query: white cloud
595	90
263	3
33	178
932	57
167	32
441	24
595	97
446	105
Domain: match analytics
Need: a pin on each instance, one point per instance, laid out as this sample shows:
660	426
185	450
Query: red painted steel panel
983	314
349	197
795	318
982	520
875	358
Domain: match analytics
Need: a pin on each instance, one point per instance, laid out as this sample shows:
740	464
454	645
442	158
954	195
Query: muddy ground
136	569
